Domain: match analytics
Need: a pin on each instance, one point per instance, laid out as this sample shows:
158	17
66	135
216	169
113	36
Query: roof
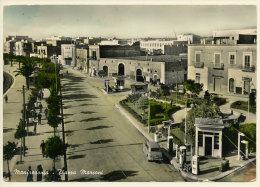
153	144
209	122
159	58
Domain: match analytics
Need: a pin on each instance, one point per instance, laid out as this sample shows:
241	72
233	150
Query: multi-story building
9	47
166	69
68	54
227	65
190	38
154	47
22	48
82	58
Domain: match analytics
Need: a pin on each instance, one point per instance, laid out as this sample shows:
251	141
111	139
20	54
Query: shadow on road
118	175
87	112
7	130
98	127
78	96
92	119
76	156
102	141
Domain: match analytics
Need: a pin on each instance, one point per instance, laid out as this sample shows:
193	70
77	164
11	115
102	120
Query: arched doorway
105	69
139	76
231	85
121	69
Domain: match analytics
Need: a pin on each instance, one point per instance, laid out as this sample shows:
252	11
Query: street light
185	130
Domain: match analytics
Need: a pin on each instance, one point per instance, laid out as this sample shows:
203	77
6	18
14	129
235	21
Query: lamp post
238	143
185	127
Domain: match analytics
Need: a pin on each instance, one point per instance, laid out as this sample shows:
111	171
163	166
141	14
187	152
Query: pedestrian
35	126
39	172
42	95
43	148
171	102
46	112
6	99
39	118
67	72
35	115
29	175
40	107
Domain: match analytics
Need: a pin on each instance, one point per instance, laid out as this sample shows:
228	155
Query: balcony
219	66
248	68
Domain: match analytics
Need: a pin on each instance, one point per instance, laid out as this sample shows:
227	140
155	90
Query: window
200	139
197	78
231	85
197	57
216	142
247	61
217	59
232	59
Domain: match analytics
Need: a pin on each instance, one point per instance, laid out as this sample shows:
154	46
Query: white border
127	2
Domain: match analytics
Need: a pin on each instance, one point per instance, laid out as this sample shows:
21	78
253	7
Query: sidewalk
12	115
209	168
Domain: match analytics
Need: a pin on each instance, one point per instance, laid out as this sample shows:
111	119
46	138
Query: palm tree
27	69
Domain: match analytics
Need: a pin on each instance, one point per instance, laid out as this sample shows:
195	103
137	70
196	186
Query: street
101	139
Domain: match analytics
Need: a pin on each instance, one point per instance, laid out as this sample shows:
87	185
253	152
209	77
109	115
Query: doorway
208	146
217	84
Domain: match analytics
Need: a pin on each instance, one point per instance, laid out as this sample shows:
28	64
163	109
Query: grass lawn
243	105
180	98
158	111
178	134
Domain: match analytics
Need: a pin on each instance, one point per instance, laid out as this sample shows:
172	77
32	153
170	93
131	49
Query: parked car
152	151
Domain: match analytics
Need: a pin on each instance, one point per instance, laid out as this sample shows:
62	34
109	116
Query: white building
155	46
68	54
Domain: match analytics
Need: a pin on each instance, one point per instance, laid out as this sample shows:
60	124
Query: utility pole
23	120
63	137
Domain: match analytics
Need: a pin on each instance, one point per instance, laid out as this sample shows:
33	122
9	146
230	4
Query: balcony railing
219	66
248	68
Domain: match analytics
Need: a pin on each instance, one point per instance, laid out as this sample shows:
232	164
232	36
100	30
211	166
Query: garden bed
243	105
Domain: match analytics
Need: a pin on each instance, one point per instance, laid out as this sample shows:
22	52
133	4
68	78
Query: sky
125	21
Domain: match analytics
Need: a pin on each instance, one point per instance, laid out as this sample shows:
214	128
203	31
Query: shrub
249	129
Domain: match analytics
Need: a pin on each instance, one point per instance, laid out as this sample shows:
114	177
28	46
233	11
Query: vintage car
152	151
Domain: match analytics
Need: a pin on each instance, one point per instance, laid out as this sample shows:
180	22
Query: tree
205	109
8	153
28	67
164	90
54	148
193	87
252	98
53	175
19	134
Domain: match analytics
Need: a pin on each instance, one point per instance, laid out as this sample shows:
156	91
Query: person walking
35	126
43	148
46	112
6	99
35	115
39	172
29	175
40	107
39	118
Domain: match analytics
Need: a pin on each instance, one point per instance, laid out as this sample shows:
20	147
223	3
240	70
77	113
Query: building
22	48
208	137
154	47
109	42
176	48
190	38
82	58
68	54
9	47
166	69
227	65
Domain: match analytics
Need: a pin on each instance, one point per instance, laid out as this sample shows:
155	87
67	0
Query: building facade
68	54
82	59
154	47
224	67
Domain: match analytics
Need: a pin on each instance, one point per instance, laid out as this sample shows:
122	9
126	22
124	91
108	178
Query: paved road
101	139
